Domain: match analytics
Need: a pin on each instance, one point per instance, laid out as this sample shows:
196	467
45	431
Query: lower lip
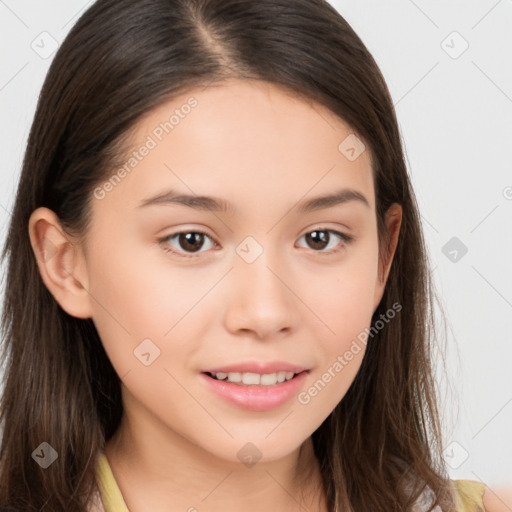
256	397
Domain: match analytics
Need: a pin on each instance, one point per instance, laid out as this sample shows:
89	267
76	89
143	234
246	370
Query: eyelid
325	227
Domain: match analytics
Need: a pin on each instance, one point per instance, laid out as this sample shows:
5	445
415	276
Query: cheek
342	295
137	288
136	296
344	307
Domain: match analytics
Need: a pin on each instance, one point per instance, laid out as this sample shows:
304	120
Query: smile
249	378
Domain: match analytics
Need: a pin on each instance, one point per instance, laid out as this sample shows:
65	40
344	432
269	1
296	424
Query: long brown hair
119	61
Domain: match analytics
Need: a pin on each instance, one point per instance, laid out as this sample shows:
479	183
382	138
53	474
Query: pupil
319	239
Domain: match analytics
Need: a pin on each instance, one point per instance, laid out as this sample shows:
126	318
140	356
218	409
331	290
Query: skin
265	150
498	499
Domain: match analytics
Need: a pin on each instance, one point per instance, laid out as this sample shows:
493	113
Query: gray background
448	67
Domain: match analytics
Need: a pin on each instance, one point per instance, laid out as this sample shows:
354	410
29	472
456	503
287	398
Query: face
272	284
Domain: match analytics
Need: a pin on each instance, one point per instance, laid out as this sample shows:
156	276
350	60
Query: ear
387	250
61	263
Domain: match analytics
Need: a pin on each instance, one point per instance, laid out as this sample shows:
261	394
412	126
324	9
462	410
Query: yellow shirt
469	492
109	491
469	495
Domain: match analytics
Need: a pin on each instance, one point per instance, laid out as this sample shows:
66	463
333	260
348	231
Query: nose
261	300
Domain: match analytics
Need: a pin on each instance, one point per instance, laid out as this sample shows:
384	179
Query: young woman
217	292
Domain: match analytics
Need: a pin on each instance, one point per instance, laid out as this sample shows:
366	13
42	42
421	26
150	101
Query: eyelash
346	238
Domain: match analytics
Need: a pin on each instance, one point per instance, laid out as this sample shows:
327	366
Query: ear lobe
60	263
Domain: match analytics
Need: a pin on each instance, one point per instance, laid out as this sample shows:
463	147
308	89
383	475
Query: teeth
248	378
251	378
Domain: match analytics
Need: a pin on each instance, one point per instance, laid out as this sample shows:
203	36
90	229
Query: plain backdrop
448	67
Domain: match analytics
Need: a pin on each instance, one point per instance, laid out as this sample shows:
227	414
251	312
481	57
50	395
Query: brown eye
187	241
191	241
319	239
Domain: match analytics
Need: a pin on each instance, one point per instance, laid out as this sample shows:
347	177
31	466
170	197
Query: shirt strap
111	496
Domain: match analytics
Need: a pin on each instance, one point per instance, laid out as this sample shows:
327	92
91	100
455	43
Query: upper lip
258	367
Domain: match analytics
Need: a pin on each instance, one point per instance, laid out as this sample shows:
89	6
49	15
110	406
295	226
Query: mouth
254	379
256	392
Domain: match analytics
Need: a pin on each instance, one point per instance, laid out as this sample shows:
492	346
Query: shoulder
498	499
468	495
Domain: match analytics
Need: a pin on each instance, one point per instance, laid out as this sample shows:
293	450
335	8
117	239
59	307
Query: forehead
243	139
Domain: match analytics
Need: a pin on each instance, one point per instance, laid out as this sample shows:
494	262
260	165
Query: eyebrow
215	204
